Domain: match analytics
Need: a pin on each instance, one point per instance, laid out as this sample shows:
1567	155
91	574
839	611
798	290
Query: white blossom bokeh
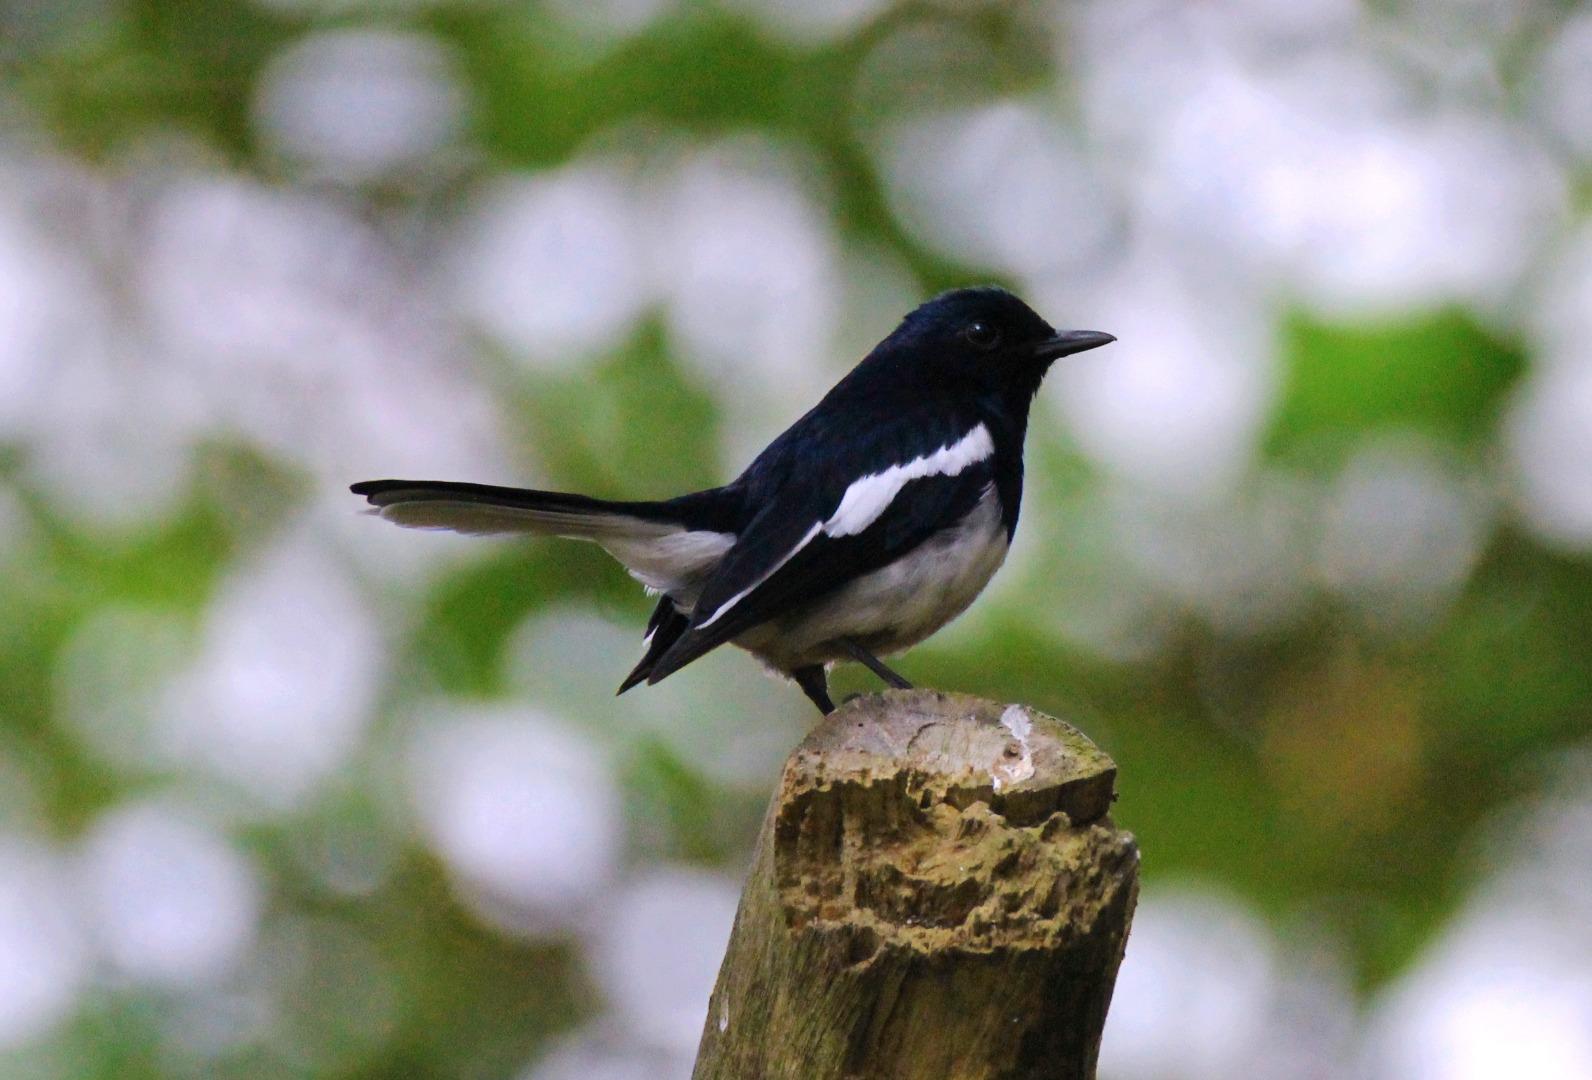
285	791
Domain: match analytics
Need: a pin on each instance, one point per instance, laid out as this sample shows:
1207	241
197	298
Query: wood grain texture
938	892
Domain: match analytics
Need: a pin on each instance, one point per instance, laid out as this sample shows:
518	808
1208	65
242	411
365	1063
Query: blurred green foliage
1327	771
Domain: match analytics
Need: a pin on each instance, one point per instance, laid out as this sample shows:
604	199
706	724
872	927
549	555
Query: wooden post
937	894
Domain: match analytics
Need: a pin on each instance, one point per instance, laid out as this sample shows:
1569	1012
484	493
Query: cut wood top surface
1025	764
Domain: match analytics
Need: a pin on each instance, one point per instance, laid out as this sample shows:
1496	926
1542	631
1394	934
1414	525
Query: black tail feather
718	509
380	493
663	630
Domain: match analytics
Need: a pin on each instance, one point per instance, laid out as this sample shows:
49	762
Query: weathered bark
937	894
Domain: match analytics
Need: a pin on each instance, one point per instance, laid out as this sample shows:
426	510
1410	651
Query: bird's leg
815	684
873	663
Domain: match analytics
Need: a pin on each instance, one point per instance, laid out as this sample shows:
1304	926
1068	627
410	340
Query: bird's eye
982	335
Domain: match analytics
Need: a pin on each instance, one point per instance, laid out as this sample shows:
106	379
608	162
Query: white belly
898	605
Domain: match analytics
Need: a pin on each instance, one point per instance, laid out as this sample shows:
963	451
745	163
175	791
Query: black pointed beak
1069	342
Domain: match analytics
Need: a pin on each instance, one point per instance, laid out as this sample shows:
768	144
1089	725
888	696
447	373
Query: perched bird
870	523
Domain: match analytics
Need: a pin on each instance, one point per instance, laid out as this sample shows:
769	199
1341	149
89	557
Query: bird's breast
897	605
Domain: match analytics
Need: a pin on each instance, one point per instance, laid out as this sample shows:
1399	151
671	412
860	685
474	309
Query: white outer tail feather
663	557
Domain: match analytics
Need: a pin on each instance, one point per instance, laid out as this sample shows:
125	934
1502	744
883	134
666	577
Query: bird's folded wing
814	537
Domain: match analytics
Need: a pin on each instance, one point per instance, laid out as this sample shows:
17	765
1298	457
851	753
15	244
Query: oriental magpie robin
870	523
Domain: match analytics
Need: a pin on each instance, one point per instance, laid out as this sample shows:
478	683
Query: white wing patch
867	499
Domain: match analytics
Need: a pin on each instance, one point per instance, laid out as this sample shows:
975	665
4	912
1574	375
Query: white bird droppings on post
1009	770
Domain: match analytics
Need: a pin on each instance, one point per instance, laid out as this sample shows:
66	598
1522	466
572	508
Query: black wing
785	559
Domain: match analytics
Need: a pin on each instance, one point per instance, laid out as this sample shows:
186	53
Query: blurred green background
287	792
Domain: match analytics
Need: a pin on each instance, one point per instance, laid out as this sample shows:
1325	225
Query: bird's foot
815	684
874	664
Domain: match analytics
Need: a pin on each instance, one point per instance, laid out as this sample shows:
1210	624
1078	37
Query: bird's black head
987	337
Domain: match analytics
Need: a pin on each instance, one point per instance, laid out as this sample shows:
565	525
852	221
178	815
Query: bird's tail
482	510
665	627
664	544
